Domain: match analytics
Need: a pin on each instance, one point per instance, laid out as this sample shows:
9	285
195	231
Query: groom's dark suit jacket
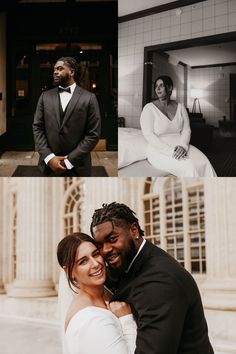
166	304
75	135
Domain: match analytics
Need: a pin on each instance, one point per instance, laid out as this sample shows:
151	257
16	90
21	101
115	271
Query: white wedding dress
163	135
94	330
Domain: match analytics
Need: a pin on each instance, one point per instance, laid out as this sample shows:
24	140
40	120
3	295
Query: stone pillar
34	240
220	204
219	287
1	236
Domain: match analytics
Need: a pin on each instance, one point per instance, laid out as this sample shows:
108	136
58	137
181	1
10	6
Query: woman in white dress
165	126
92	326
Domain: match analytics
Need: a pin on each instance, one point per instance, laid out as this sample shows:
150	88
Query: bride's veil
65	295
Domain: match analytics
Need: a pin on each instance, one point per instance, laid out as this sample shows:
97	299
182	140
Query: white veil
65	296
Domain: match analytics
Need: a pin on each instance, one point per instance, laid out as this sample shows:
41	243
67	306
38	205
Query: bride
165	126
92	325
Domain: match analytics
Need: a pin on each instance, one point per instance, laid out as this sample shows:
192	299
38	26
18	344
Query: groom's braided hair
118	214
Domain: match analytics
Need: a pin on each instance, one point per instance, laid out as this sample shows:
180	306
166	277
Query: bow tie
61	89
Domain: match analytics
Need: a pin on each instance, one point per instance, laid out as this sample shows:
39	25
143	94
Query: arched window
174	219
72	203
151	214
173	224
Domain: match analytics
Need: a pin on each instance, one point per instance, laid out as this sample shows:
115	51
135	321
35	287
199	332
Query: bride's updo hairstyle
167	81
66	253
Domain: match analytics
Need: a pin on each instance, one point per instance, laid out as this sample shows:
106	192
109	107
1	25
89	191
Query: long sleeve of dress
147	125
186	131
97	331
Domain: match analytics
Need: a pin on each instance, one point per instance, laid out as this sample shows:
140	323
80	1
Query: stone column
220	205
1	236
219	287
34	240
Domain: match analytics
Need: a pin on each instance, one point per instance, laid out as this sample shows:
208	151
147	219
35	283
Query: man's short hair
118	214
72	63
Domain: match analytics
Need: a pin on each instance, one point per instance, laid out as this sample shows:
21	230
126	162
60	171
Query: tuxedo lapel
55	101
134	271
71	105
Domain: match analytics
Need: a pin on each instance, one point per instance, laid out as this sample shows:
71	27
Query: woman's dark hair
66	253
167	81
117	214
72	63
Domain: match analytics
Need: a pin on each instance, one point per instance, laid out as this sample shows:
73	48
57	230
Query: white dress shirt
65	99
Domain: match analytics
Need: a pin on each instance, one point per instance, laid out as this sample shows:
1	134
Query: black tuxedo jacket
166	304
75	137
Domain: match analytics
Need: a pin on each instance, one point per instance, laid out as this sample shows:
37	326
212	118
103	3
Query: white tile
197	26
175	31
147	36
197	14
221	9
175	20
156	24
139	38
139	28
186	17
232	19
208	24
165	22
131	40
147	26
232	6
185	29
131	30
208	12
221	30
165	32
156	35
221	21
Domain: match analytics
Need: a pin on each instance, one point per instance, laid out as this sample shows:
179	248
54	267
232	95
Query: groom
66	124
163	296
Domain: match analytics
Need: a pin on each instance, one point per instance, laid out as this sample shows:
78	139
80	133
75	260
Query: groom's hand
56	164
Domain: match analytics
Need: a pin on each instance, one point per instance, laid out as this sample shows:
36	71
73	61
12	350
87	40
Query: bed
132	156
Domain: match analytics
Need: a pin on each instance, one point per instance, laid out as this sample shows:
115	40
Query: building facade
192	219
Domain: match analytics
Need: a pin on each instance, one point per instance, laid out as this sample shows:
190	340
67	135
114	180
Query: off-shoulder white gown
163	135
94	330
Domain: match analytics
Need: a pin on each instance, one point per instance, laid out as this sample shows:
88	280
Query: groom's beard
126	259
63	81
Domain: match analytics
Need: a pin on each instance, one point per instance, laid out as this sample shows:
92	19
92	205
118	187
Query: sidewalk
22	337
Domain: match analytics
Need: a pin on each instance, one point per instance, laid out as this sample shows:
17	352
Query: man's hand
57	164
179	152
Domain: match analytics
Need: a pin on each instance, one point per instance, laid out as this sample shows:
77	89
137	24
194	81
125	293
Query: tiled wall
202	19
215	84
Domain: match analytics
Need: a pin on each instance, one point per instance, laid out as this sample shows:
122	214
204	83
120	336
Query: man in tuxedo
66	124
163	296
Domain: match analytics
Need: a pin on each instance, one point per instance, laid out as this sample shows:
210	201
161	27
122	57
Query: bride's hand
119	308
179	152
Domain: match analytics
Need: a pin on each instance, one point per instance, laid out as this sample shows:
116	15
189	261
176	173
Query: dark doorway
233	97
40	34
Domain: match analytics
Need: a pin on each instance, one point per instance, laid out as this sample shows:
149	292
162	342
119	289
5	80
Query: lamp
196	94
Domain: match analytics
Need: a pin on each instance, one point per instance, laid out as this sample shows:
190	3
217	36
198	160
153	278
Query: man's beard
63	81
126	259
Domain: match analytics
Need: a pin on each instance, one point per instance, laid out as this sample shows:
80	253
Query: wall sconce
196	94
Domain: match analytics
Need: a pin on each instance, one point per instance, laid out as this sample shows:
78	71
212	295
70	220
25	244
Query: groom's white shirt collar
139	250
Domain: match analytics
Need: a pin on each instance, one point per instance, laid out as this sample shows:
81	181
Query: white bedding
132	146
